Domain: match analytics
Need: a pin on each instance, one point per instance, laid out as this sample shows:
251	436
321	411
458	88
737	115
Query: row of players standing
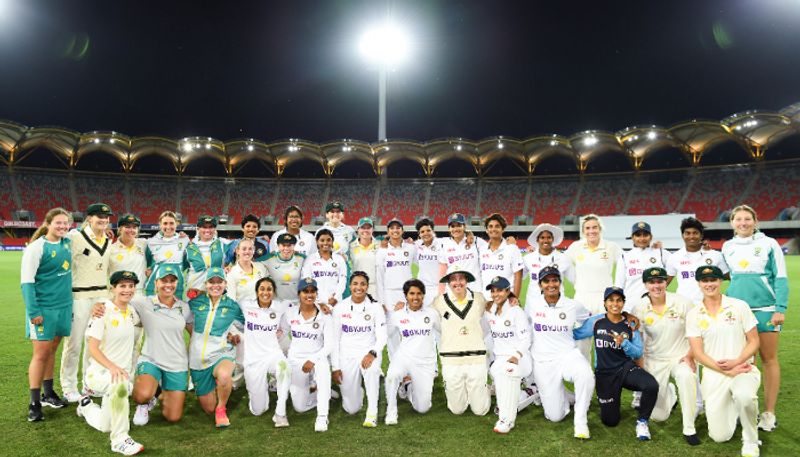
591	259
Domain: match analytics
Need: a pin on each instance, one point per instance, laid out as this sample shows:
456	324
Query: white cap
558	234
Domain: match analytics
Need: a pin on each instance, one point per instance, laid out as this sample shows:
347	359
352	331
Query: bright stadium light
387	46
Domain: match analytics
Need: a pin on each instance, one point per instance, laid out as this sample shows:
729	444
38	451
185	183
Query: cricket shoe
53	401
321	424
502	427
582	432
127	447
35	413
280	421
642	430
767	421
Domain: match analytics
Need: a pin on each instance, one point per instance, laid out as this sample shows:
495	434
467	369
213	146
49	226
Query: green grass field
437	433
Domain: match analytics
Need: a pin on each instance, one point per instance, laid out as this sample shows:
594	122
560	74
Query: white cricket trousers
112	416
302	397
421	387
465	385
352	393
685	380
255	379
550	376
506	377
592	301
72	355
728	399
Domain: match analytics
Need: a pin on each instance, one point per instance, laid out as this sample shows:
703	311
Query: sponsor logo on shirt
255	327
415	332
356	328
538	327
304	335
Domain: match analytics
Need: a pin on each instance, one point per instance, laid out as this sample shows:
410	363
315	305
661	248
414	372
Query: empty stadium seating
654	196
506	197
717	190
604	195
776	188
452	196
305	194
201	196
6	204
356	196
403	199
94	188
40	192
551	199
151	196
250	197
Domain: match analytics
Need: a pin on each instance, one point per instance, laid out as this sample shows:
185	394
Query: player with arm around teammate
426	256
639	258
250	227
682	264
292	222
416	352
499	258
312	343
264	316
509	330
328	268
109	340
543	253
359	333
666	349
723	336
46	282
617	346
556	357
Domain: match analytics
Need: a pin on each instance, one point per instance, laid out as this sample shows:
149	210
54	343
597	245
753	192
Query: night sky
272	70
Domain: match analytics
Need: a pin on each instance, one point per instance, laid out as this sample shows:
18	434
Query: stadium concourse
694	167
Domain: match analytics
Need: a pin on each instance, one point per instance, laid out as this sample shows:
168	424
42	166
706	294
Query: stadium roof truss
755	131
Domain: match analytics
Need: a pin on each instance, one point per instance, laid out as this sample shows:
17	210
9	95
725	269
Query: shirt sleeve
692	329
344	277
776	275
516	259
633	348
233	283
670	267
380	270
569	271
96	327
381	334
586	329
620	271
749	320
721	263
523	330
30	265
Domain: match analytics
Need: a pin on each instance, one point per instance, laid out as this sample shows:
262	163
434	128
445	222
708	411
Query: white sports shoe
82	403
321	424
142	415
582	432
503	427
127	447
391	418
751	449
280	421
642	430
767	421
72	397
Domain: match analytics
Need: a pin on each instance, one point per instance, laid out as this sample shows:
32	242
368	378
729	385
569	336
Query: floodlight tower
385	46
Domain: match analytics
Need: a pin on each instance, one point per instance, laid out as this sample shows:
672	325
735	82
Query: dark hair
691	222
413	283
251	218
496	217
321	232
266	278
423	222
289	210
358	273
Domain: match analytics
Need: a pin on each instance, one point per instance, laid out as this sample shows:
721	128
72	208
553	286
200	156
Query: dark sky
271	70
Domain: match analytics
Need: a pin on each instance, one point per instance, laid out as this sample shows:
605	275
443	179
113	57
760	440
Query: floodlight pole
382	103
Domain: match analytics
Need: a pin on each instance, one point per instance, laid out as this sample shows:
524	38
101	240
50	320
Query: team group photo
606	290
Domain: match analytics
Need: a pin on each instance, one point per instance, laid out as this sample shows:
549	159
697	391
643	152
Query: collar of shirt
98	240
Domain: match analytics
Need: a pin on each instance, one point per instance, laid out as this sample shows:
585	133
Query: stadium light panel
386	45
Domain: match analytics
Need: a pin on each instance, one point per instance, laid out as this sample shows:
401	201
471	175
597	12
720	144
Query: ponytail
48	219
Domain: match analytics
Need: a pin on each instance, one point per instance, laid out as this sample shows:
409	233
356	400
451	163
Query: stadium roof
754	131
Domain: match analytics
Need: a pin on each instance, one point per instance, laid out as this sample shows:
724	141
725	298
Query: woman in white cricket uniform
594	259
245	273
509	331
666	349
46	282
639	258
543	240
683	262
165	247
127	253
498	258
206	250
109	340
393	270
758	276
460	253
415	355
556	357
723	336
293	221
312	343
264	317
364	250
359	334
427	258
328	268
343	234
90	259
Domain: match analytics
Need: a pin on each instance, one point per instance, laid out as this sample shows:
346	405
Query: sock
47	387
36	396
